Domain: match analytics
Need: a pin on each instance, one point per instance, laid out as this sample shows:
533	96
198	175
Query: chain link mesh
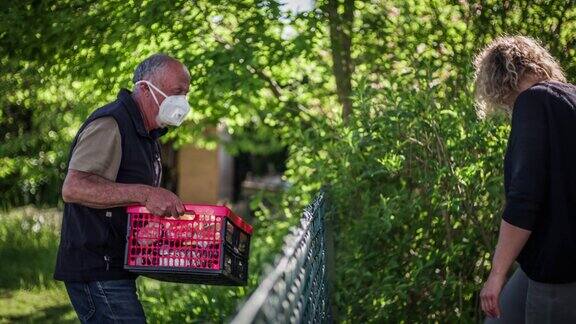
296	289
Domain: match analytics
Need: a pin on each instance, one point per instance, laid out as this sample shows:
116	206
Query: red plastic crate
208	245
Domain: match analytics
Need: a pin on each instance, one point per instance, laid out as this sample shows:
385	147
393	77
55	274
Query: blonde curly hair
504	64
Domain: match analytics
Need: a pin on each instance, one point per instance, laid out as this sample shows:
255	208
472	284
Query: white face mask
173	109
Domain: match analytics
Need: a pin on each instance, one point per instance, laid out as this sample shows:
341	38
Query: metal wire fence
296	289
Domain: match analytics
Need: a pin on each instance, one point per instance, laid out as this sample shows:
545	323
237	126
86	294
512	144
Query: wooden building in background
213	176
204	176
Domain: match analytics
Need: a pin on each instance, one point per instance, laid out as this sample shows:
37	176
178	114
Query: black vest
92	241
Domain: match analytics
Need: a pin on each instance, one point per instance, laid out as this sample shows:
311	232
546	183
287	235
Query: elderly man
115	161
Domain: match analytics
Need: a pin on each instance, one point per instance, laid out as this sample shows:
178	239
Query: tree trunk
340	44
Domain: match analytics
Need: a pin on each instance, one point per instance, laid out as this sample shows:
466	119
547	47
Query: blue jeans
112	301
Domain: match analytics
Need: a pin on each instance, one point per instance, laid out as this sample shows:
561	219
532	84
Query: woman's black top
540	180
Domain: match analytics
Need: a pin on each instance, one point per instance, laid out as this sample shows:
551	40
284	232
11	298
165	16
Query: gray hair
150	66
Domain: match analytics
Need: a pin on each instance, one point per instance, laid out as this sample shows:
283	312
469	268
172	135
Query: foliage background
373	98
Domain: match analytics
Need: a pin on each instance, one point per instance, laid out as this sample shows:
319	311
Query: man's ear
144	89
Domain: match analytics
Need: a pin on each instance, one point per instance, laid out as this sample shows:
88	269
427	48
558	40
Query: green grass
38	305
28	245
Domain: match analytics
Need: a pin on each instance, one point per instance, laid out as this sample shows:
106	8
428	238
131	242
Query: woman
538	227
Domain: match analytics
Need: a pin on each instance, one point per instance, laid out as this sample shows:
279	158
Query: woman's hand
510	242
490	295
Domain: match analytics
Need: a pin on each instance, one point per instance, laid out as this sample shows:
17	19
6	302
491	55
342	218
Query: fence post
329	222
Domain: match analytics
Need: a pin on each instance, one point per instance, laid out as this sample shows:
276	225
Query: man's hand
490	295
162	202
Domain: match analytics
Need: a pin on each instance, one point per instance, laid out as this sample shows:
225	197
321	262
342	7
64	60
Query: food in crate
200	230
149	234
208	244
188	230
170	257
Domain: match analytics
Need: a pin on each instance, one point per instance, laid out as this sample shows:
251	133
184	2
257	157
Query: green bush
430	187
28	247
415	190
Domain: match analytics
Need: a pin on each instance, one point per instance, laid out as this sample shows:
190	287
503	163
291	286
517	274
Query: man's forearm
97	192
510	242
